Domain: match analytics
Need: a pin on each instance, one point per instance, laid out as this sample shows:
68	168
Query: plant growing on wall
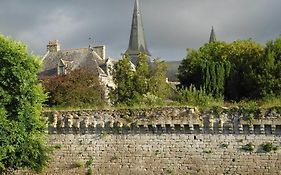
88	166
267	147
249	147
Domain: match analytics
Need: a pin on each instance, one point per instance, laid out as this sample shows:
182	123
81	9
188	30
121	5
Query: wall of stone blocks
174	141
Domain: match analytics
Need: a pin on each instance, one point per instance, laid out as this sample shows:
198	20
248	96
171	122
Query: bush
151	100
22	130
80	88
194	97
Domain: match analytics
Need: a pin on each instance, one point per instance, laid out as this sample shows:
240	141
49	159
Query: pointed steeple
212	36
137	41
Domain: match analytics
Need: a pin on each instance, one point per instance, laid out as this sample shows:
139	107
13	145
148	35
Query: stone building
59	61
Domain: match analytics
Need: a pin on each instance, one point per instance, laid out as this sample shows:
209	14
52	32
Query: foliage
141	76
206	68
123	76
194	97
89	171
249	147
78	164
88	166
267	147
245	57
250	110
89	162
239	70
151	100
269	101
141	84
79	88
22	130
157	80
269	69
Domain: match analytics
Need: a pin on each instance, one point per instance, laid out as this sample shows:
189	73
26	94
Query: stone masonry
169	140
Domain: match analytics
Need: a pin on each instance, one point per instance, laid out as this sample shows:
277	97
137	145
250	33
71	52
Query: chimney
100	50
53	46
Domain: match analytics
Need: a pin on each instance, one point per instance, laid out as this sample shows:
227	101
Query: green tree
141	75
268	73
22	138
79	88
139	84
157	81
190	71
206	68
245	57
123	77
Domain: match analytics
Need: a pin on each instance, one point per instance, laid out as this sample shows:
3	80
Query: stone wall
170	140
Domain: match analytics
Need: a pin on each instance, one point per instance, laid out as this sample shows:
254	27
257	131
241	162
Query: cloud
170	26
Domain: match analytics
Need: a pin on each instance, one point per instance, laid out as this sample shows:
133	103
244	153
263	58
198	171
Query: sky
171	26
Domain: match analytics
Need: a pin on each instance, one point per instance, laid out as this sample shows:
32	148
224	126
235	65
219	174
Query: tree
141	75
245	57
22	138
79	88
268	73
123	77
206	68
157	82
138	84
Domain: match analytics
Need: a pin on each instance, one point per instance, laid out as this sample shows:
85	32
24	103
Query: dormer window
61	70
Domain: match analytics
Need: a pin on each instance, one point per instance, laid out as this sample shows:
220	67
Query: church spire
137	41
212	36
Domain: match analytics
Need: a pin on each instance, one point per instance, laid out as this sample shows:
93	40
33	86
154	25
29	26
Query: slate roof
81	57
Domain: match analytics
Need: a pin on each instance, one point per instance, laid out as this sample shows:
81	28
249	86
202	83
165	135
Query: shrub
151	100
195	97
22	130
80	88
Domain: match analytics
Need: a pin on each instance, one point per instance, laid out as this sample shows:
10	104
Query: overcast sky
170	26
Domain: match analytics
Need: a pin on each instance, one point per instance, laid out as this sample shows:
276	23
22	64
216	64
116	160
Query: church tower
212	36
137	41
